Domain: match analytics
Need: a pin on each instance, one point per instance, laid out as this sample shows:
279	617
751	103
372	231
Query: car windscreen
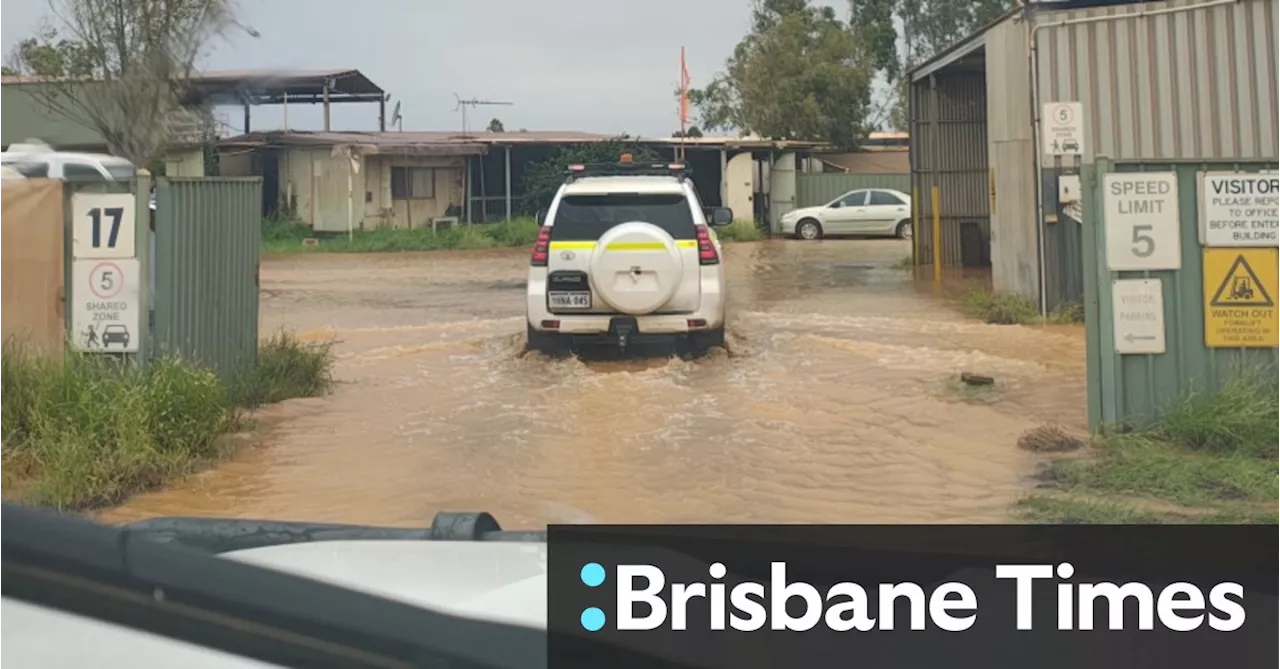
586	217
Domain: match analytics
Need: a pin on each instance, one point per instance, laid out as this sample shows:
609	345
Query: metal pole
326	107
508	168
351	205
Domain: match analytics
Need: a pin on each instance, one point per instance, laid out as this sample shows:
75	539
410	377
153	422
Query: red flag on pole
684	100
684	92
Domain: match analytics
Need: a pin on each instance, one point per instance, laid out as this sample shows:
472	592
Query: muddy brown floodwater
833	404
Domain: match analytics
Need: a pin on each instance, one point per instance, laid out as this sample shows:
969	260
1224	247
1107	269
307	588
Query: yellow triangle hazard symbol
1241	288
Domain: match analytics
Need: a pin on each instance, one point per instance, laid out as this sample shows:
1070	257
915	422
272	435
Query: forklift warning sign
1240	298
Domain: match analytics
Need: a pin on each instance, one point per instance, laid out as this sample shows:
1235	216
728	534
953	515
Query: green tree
691	131
800	73
495	125
120	67
901	34
542	179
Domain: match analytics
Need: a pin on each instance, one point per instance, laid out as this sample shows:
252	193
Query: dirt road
833	405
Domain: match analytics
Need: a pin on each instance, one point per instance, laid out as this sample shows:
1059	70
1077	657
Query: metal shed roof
976	41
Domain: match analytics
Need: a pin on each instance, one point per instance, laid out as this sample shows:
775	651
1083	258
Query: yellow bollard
915	227
936	239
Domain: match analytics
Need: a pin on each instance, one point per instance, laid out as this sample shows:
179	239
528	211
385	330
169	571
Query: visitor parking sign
1238	210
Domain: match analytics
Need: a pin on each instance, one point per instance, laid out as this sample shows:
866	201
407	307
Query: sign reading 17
96	215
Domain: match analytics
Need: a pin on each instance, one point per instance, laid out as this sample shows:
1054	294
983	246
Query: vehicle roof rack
625	167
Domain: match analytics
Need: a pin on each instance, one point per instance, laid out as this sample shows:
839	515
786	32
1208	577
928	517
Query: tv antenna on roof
473	102
396	119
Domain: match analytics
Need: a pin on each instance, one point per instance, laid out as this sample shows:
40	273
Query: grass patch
1001	309
904	263
87	431
1068	313
739	231
286	368
287	235
1212	457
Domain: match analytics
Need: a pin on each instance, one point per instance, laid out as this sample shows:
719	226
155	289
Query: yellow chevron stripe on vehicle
636	246
577	246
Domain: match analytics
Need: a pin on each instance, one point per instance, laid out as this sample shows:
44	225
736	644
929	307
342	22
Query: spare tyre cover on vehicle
636	268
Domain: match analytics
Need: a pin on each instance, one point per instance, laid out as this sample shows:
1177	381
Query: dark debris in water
1049	439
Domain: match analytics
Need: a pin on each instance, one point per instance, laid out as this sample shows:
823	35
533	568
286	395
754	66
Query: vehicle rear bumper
708	316
586	327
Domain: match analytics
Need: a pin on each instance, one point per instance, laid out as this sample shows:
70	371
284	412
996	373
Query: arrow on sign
1133	337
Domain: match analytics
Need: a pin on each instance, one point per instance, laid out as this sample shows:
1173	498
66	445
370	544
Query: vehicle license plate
569	300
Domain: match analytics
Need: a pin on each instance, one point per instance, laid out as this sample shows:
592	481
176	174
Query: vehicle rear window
586	217
81	172
121	171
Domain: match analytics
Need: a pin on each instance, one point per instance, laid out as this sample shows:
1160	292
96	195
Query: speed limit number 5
1142	222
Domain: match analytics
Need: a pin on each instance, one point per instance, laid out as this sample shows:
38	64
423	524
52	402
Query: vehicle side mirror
541	217
721	216
837	204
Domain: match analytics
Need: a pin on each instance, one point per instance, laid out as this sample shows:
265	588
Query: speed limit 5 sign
106	314
1140	212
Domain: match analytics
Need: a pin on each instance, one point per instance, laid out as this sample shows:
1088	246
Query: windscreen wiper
222	535
70	564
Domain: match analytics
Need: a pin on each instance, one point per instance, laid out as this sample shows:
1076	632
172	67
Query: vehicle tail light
541	247
706	250
697	322
551	325
675	167
577	168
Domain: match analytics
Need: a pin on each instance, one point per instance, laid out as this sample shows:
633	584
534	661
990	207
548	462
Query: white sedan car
867	211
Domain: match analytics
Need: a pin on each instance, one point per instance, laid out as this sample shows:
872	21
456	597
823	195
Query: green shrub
1001	309
286	368
1068	312
1213	455
91	431
740	231
82	431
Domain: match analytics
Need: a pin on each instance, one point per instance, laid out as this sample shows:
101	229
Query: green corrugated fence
814	190
1133	387
208	235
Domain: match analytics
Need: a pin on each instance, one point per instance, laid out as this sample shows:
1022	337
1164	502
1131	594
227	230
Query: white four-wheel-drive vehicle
626	255
868	211
36	160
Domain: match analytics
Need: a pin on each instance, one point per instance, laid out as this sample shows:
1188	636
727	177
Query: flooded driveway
834	405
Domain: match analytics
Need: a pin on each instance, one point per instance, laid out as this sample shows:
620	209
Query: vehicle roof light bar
626	168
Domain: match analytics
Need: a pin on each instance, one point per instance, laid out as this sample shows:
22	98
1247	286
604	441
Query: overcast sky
590	65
